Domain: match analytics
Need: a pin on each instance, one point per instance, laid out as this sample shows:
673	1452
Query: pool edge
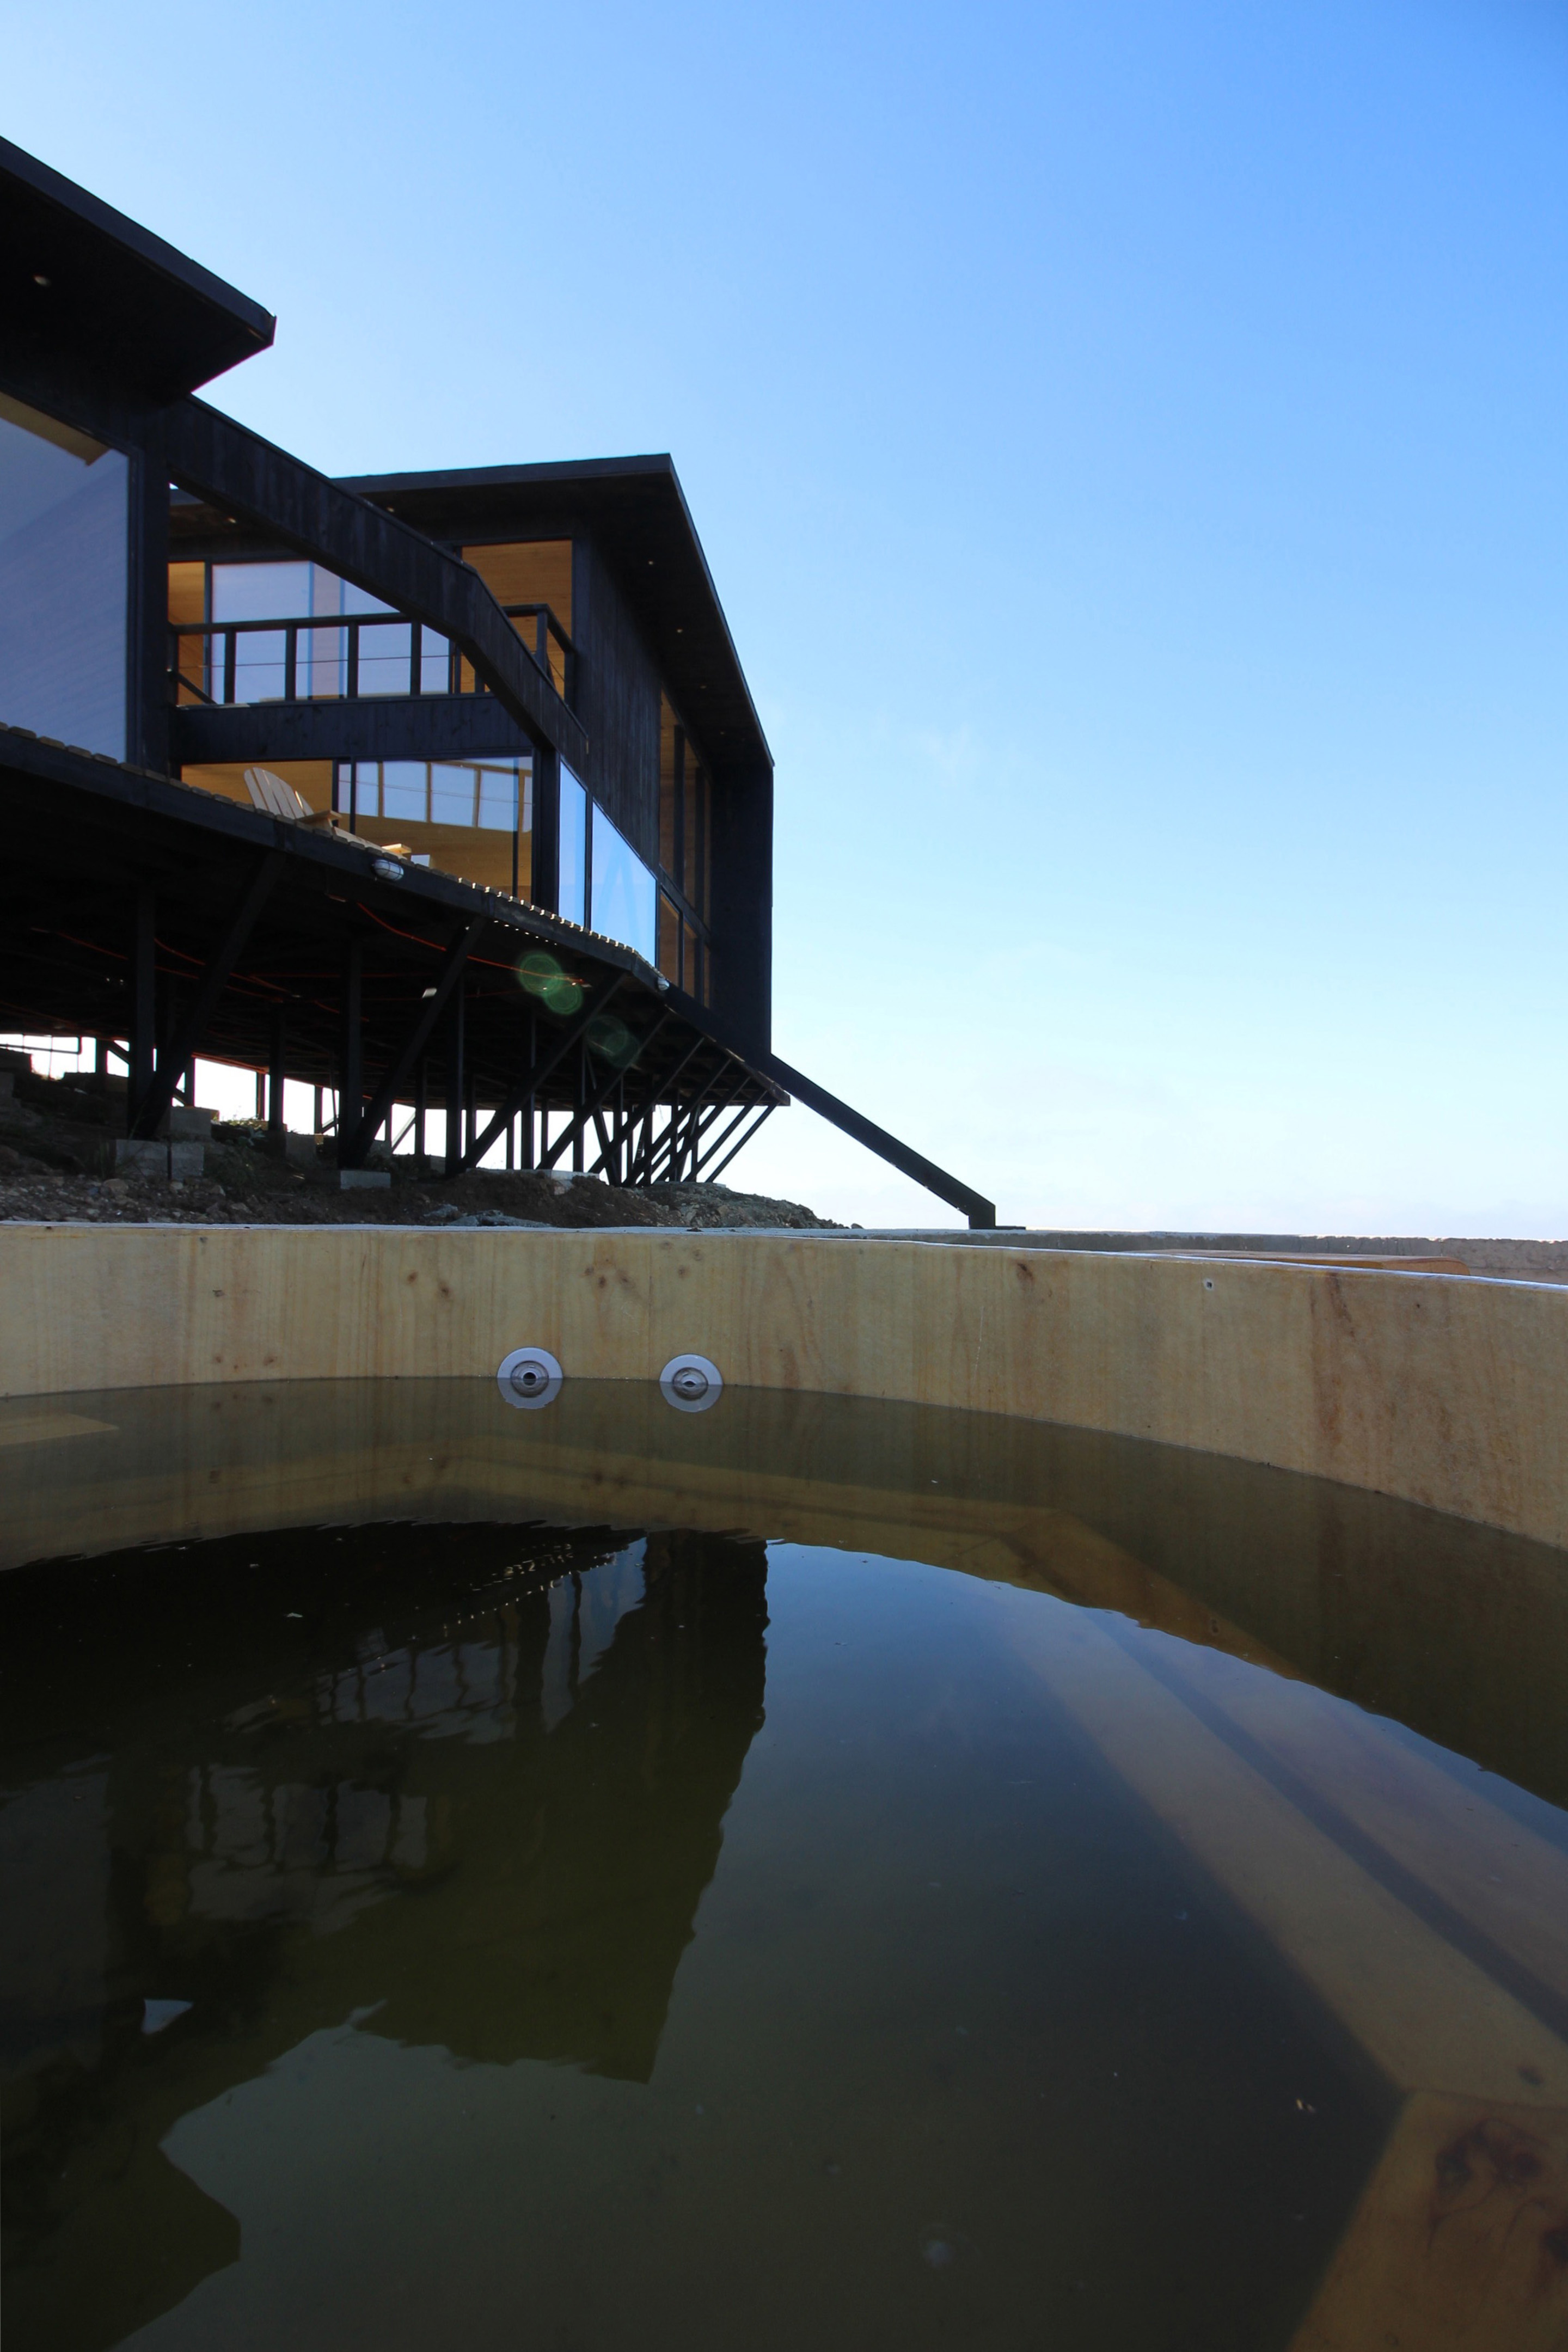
1439	1390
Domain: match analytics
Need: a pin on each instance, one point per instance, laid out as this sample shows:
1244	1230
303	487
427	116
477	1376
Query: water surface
810	1872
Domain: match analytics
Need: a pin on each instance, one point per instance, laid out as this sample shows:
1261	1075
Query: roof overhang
84	288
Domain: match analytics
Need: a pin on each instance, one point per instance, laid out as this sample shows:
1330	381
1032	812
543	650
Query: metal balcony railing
327	658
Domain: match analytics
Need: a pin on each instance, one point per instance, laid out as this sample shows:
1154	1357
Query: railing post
290	662
229	648
352	687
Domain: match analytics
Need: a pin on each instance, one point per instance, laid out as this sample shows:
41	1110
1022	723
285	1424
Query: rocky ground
57	1152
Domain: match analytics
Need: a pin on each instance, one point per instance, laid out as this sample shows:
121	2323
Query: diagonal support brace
534	1078
675	1143
980	1213
762	1118
352	1147
705	1119
648	1152
595	1103
706	1153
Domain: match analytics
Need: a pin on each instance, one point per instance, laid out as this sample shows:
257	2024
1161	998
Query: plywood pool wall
1442	1389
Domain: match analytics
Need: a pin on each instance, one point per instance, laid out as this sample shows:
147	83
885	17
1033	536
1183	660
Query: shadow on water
381	1707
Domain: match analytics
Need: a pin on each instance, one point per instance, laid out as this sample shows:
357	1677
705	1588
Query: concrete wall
1447	1392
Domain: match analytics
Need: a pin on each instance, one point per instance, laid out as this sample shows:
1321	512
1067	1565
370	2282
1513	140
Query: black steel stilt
143	1007
455	1082
350	1075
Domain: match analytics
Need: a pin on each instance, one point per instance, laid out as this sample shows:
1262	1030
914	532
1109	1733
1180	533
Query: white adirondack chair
271	792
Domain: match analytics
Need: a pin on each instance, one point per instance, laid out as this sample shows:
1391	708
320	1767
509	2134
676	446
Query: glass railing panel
226	652
383	659
266	631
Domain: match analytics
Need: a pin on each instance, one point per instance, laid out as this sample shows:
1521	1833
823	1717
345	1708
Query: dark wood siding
742	903
617	701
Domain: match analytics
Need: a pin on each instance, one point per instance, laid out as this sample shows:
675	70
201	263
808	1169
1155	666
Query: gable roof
635	511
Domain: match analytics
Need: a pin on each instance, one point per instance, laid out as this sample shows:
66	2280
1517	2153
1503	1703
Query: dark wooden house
436	790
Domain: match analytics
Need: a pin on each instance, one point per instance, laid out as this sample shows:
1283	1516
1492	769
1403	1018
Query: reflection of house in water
549	1780
488	1823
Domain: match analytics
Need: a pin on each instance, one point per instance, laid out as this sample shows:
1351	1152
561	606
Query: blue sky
1130	442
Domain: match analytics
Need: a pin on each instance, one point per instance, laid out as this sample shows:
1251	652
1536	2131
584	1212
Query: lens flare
611	1041
541	975
538	971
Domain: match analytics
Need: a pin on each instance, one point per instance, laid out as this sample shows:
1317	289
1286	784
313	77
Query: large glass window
473	817
693	868
263	592
669	938
64	566
572	890
685	857
533	578
601	881
312	779
483	793
623	903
